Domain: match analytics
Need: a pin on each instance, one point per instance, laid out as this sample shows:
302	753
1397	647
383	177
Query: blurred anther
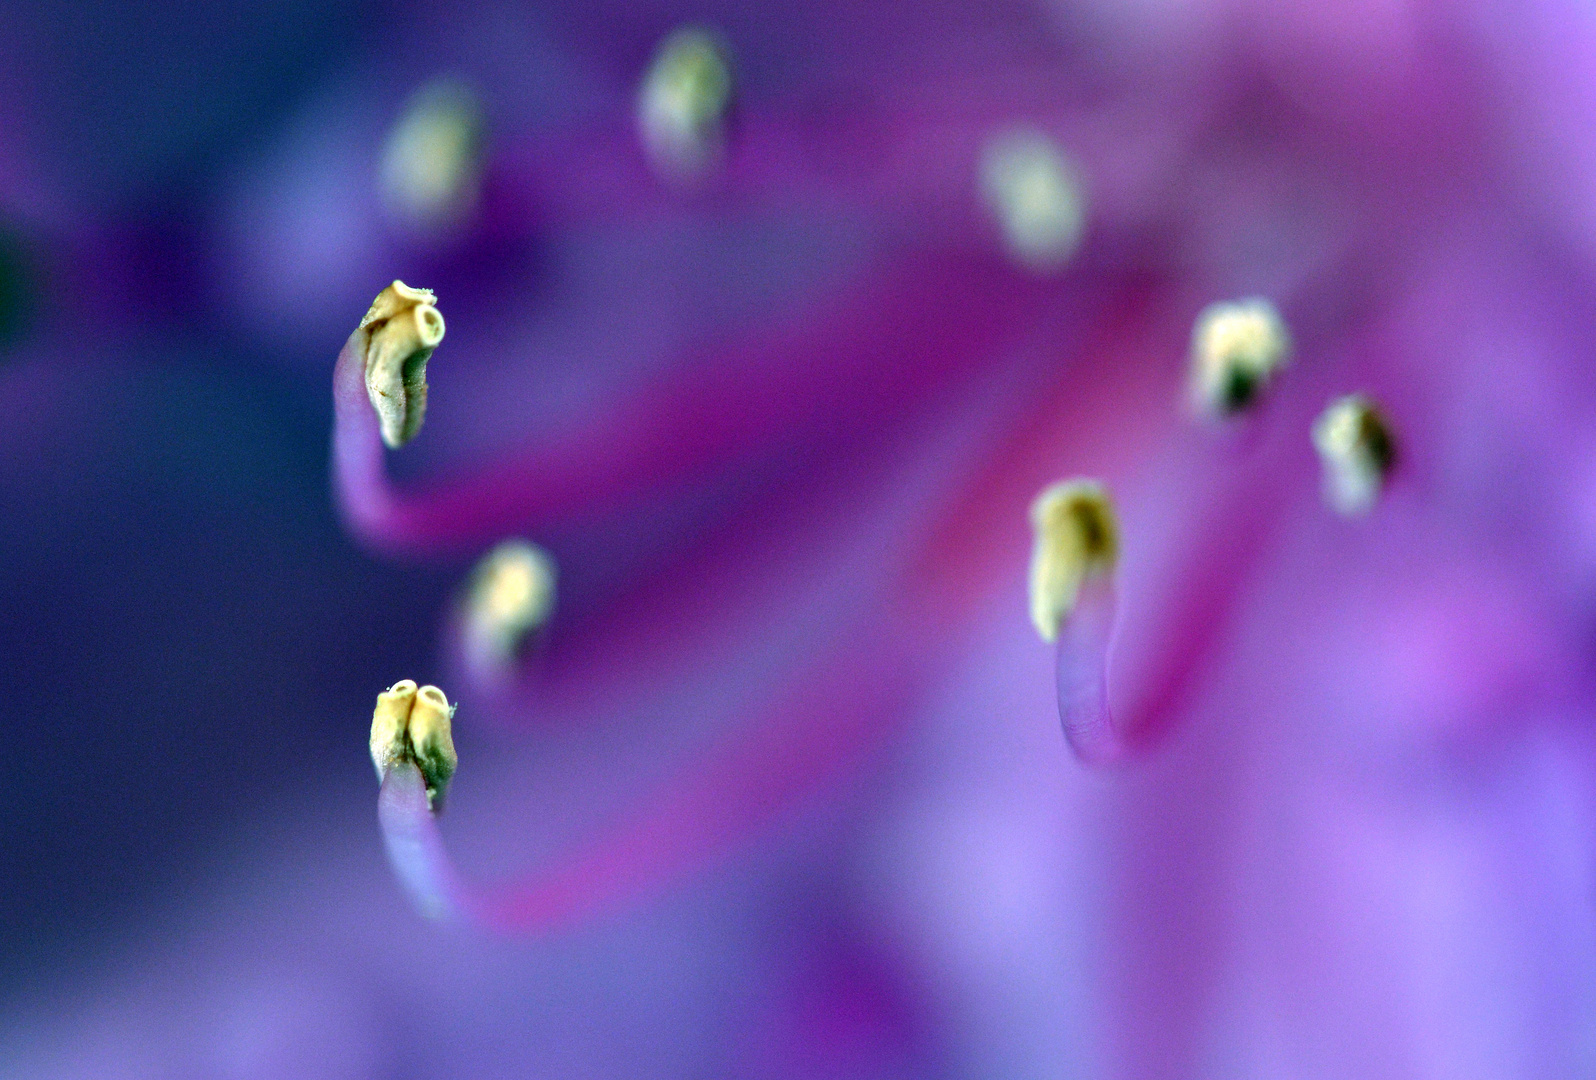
682	105
1357	451
1076	538
511	595
431	161
395	340
1236	348
1035	196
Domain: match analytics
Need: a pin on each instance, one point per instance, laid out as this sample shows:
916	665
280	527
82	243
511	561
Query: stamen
1236	348
1035	196
1076	539
682	104
1072	605
429	176
511	595
1357	451
394	341
413	726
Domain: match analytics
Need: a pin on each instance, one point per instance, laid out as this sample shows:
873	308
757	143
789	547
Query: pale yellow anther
433	742
511	595
1357	452
1077	537
411	725
1035	196
1236	348
682	104
390	723
395	340
431	161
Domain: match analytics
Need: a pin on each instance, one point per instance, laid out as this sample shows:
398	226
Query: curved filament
1082	665
415	847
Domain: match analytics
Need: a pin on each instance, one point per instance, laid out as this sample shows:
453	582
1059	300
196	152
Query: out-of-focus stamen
1035	196
510	596
431	162
682	104
1076	539
1236	348
394	341
1072	606
1357	451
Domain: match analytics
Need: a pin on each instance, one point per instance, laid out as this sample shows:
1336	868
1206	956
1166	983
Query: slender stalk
1082	665
415	847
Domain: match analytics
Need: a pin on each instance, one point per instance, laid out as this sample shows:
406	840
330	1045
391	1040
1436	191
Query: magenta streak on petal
885	351
834	717
666	615
1246	491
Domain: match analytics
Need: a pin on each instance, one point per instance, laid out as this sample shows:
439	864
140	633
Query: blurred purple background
779	422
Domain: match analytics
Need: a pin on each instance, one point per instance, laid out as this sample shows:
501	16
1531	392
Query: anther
1035	196
682	104
510	596
1357	451
395	340
390	725
1077	539
412	726
1236	348
429	176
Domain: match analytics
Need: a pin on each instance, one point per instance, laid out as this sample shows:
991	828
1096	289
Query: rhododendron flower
1043	540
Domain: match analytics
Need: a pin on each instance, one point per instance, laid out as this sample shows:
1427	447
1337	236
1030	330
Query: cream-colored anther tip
682	104
431	162
1035	196
1077	536
1357	452
395	340
390	722
414	725
1236	348
511	594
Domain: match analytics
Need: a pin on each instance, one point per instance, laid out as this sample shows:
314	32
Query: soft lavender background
1363	848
